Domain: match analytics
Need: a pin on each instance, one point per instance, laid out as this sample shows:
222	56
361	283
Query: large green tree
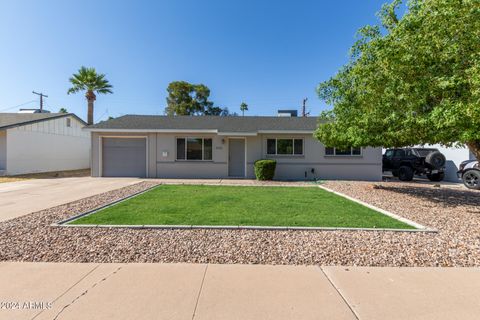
190	99
88	80
414	79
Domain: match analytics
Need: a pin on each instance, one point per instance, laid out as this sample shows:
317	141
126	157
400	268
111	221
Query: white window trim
276	154
203	149
344	155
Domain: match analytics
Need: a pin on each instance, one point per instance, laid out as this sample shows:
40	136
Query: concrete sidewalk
24	197
196	291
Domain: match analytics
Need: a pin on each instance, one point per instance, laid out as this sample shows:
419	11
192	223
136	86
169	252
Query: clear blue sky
270	54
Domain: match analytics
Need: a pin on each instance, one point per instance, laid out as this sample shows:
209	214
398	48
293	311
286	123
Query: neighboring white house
42	142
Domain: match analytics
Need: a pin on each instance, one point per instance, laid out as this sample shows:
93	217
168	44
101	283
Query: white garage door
124	157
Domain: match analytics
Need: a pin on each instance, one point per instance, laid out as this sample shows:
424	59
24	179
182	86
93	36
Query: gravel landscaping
454	212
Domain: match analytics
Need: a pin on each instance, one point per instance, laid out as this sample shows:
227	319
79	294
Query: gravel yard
455	213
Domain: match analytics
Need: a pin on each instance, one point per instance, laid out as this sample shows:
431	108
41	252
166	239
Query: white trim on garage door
100	150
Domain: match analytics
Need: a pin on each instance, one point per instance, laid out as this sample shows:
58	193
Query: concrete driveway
198	291
23	197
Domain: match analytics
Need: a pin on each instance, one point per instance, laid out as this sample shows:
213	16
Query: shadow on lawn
446	197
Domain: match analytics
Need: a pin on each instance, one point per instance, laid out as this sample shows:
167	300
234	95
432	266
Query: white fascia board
239	134
202	131
153	130
287	131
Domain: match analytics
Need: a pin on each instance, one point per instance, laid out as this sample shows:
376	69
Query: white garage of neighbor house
223	147
42	142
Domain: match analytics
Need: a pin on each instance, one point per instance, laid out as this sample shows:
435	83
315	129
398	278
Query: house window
69	122
285	147
194	149
343	152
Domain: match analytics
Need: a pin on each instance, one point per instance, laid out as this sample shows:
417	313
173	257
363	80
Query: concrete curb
266	228
78	216
419	227
385	212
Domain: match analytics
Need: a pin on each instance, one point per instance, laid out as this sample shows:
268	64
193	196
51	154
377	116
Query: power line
105	113
17	106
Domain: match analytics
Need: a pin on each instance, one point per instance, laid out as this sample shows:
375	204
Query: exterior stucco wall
367	166
168	167
3	150
162	161
47	146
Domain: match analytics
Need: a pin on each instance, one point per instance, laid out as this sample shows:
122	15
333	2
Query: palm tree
87	79
243	108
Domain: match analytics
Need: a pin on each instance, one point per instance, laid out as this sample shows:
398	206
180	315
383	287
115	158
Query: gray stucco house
222	147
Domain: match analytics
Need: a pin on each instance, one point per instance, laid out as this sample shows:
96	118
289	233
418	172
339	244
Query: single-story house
222	147
42	142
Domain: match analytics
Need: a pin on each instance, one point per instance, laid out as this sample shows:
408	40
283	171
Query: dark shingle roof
9	120
222	124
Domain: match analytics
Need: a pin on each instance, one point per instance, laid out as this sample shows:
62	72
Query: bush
265	169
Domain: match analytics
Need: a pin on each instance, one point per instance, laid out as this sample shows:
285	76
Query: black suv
404	163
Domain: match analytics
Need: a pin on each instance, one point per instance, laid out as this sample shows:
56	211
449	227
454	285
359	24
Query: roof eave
151	130
221	133
286	131
25	123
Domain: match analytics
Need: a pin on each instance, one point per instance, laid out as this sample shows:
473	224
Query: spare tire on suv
436	159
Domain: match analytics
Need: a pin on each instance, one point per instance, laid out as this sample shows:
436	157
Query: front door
236	158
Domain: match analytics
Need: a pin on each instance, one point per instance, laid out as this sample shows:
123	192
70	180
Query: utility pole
304	114
41	99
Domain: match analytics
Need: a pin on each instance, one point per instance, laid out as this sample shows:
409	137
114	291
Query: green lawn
245	206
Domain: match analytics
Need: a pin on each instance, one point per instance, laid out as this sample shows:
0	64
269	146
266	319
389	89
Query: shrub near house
265	169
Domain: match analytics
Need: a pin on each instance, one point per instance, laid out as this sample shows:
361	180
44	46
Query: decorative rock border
272	228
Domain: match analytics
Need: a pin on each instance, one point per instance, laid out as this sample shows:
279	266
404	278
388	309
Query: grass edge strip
412	223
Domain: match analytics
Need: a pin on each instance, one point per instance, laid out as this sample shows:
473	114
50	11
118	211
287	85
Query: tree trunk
90	99
474	147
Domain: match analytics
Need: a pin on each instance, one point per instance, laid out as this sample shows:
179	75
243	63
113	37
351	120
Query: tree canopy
87	79
190	99
411	80
243	108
